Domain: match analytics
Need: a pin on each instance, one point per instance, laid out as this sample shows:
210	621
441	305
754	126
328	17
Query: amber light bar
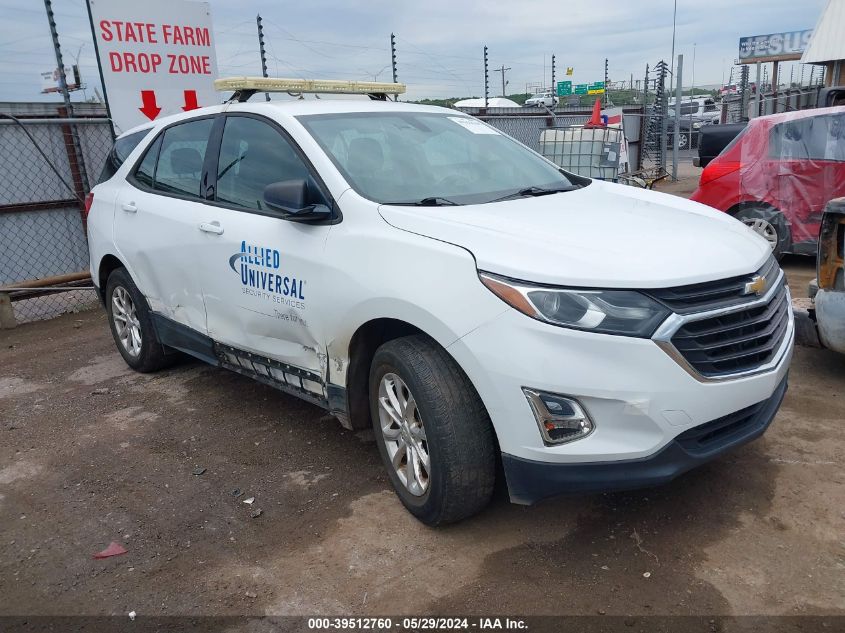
330	86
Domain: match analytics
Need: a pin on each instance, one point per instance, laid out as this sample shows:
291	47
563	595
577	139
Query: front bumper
830	319
530	481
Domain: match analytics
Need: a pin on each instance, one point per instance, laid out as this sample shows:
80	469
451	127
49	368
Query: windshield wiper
431	201
536	191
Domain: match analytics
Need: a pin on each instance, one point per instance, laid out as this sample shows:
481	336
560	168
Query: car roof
774	119
301	107
298	107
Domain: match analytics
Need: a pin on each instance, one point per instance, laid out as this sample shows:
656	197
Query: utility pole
486	80
77	149
679	92
672	56
554	84
606	87
693	68
503	70
261	51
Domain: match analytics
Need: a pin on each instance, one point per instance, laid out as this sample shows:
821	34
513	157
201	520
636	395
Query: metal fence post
7	313
77	150
679	92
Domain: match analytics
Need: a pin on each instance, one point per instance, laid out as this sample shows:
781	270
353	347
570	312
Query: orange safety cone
595	120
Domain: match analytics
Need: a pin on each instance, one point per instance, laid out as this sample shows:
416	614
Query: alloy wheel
764	229
404	434
126	322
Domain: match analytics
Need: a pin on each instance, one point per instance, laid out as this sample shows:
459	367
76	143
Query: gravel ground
91	453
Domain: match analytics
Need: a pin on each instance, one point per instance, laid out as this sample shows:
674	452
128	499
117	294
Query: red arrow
150	109
190	100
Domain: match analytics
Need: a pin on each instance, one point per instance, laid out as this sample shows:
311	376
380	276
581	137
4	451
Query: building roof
827	42
492	102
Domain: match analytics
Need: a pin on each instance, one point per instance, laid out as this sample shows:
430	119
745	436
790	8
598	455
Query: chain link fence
47	166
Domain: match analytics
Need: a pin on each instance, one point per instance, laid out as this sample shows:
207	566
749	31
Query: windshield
414	157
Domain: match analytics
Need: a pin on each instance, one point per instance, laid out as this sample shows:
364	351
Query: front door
262	275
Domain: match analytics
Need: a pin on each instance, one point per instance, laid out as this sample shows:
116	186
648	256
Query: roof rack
245	87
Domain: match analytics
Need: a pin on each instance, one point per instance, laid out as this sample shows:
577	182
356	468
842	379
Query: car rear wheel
432	430
768	223
131	325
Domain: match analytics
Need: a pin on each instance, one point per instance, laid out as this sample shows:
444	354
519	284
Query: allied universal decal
259	269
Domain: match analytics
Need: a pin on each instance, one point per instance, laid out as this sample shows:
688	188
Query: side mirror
295	201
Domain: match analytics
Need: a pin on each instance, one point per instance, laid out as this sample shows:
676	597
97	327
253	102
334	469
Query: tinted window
253	155
122	148
689	108
811	138
145	173
179	167
709	105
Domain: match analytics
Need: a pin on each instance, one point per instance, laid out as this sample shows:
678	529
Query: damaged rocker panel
296	381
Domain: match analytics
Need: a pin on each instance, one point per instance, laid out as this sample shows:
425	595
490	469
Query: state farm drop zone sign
140	32
157	57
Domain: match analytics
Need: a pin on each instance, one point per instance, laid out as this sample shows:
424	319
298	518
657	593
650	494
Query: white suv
546	99
413	270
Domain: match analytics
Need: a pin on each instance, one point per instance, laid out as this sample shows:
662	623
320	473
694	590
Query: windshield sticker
473	125
259	269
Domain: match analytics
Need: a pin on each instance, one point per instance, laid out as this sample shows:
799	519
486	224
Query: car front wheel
433	432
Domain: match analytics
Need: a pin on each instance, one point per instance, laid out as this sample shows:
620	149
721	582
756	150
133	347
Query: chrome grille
711	295
737	340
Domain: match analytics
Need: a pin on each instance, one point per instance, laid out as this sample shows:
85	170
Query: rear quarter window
811	138
123	146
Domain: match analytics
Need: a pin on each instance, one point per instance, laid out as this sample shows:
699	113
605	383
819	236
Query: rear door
158	221
808	157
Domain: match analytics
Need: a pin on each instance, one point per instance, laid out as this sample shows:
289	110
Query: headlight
697	125
625	312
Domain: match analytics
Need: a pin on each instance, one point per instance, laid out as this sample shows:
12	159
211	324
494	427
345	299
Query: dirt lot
92	453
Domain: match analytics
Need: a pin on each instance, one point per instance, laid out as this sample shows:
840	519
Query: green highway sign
581	89
564	88
596	88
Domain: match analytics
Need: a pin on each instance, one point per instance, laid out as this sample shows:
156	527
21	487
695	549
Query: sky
439	42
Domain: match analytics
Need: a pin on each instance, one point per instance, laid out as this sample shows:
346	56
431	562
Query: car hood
602	235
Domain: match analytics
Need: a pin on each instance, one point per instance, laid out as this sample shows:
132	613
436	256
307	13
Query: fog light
560	419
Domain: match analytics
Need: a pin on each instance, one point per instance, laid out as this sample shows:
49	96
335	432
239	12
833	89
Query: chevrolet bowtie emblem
756	286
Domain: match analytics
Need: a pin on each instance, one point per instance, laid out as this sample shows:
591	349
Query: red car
777	175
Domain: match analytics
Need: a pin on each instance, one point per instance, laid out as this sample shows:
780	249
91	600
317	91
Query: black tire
459	436
152	355
683	141
782	243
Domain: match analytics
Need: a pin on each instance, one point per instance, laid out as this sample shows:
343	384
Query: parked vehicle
829	289
688	135
778	174
713	139
695	112
695	109
414	271
547	99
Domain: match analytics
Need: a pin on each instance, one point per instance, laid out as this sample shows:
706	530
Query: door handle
212	227
129	207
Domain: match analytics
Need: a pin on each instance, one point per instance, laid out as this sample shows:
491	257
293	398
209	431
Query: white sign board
51	80
157	57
